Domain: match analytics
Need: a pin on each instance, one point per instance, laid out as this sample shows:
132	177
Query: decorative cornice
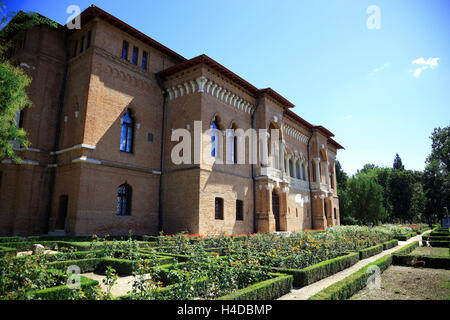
294	133
205	85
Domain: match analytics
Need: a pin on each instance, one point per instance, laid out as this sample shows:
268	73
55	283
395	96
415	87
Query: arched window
126	134
297	169
232	145
215	138
124	200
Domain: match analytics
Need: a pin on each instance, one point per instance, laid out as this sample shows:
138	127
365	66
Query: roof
299	119
213	64
204	59
93	11
327	132
334	143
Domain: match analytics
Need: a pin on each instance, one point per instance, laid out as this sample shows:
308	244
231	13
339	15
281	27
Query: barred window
239	210
218	209
124	200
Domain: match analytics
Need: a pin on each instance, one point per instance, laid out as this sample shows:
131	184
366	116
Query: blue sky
360	83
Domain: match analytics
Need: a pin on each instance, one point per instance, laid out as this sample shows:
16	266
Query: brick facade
70	176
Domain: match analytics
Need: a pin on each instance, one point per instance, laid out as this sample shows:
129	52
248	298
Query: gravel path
305	293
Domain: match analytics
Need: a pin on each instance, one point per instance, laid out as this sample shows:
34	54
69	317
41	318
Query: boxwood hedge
371	251
390	244
62	292
347	287
316	272
279	285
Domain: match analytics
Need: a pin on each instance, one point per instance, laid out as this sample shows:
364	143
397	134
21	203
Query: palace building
106	99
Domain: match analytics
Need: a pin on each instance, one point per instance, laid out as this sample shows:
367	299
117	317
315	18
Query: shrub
320	270
347	287
390	244
270	289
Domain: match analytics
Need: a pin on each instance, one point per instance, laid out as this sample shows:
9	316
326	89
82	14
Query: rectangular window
75	48
218	209
82	44
144	60
135	55
88	43
239	210
125	51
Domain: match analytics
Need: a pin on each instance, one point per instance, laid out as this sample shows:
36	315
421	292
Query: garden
182	266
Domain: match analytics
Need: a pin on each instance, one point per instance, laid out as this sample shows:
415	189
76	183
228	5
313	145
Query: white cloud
430	63
376	70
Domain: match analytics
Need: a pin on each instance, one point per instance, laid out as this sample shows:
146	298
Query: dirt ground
405	283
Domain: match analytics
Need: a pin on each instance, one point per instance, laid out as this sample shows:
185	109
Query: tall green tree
398	165
341	176
13	81
400	193
436	175
365	203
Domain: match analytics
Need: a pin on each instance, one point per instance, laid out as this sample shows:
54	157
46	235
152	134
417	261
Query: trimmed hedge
438	244
122	266
28	245
347	287
12	239
10	252
408	248
199	287
437	238
390	244
270	289
371	251
316	272
405	237
62	292
430	262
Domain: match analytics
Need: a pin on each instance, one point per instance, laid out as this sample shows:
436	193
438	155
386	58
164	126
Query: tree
401	193
12	99
341	176
398	165
13	81
436	177
369	167
365	199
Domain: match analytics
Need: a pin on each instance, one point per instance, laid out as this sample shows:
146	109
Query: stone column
282	147
306	170
317	160
294	172
264	151
327	173
288	171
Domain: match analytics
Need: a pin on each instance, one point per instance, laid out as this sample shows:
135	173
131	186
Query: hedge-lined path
305	293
